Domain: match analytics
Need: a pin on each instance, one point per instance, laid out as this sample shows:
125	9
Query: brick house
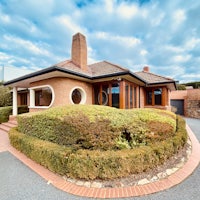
75	82
186	102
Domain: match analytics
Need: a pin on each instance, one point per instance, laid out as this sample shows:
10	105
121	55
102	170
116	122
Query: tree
5	96
181	87
194	84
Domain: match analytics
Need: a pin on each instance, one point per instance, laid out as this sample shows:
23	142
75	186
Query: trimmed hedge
6	96
6	111
98	127
96	164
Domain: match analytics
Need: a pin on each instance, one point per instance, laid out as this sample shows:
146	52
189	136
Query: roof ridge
105	61
64	62
123	68
94	63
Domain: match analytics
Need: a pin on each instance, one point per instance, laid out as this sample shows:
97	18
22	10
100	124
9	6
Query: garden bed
97	142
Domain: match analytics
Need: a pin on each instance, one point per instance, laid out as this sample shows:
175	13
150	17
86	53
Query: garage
179	104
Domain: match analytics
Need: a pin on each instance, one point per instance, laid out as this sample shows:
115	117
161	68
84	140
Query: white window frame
83	95
32	96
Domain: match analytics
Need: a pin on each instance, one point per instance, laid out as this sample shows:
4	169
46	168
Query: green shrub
23	109
6	97
48	154
97	127
6	111
97	164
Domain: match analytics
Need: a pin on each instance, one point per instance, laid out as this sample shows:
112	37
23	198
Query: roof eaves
158	83
109	75
31	75
163	82
119	74
44	71
72	72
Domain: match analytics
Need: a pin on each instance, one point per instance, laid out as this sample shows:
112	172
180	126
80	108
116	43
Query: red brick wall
192	103
191	99
178	94
62	88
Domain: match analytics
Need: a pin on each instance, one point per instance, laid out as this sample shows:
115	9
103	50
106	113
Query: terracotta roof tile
69	65
104	68
152	78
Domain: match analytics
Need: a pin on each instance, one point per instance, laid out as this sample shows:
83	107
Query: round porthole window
78	96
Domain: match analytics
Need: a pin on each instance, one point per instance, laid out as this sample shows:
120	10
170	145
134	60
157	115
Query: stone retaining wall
191	99
192	103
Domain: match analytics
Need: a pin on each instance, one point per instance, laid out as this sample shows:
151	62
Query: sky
164	35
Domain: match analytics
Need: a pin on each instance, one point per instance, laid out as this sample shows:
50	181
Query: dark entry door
179	104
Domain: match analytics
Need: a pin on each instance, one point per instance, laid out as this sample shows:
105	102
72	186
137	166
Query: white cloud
192	43
5	18
161	34
178	17
3	56
143	52
127	11
191	76
156	20
174	49
91	55
109	6
25	44
67	22
122	40
181	58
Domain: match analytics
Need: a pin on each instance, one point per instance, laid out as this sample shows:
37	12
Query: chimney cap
146	69
78	34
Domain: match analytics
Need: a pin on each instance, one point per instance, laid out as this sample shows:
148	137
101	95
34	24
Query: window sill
39	107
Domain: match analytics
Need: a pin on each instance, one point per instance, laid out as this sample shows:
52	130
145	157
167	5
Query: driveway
194	125
18	182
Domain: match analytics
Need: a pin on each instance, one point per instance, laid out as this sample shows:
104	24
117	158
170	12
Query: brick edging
129	191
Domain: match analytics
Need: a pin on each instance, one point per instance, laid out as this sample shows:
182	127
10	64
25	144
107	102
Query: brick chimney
146	69
79	51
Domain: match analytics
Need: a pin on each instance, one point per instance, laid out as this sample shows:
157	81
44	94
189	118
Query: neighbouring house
73	81
186	102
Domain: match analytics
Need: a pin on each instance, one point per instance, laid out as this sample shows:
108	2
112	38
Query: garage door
179	104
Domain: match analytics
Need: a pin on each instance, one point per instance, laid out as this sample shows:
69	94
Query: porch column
122	95
14	101
32	98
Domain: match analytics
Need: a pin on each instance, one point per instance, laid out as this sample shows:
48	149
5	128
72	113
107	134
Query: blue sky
165	35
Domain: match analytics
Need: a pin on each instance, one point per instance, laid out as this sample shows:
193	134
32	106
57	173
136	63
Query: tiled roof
153	78
94	70
69	65
104	68
97	70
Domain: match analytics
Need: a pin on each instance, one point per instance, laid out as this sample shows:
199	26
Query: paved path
19	182
194	125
